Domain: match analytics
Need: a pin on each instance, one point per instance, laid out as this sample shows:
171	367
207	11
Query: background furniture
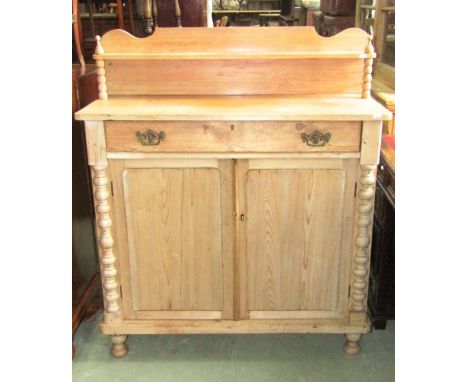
95	17
247	17
138	17
386	96
382	273
85	277
378	16
334	16
248	13
171	13
238	205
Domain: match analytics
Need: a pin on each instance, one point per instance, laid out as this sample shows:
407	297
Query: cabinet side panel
294	227
174	236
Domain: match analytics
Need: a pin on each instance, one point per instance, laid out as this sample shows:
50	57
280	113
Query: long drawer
226	136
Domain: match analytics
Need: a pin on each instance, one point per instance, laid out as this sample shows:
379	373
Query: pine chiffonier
234	177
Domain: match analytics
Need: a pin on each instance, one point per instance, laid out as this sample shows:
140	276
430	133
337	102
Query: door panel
178	255
297	250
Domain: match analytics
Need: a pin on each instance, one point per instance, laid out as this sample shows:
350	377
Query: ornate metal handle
316	138
150	137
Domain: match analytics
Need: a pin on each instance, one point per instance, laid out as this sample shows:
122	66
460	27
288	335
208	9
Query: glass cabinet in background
377	17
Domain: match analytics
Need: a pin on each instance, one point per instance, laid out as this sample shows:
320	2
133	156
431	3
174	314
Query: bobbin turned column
367	75
101	72
370	153
97	159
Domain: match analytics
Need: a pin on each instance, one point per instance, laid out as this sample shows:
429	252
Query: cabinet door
173	223
296	237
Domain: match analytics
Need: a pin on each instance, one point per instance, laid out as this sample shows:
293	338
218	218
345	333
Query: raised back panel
234	77
234	61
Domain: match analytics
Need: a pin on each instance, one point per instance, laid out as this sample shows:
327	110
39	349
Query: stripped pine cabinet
234	180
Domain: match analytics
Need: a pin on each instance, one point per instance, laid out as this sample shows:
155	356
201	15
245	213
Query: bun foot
119	347
352	345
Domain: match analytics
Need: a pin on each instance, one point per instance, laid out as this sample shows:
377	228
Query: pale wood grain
290	314
234	61
363	237
178	315
234	327
116	169
228	232
234	136
119	346
235	108
352	345
235	41
242	155
234	77
370	142
96	143
101	71
107	259
176	228
293	239
295	164
240	297
367	76
232	223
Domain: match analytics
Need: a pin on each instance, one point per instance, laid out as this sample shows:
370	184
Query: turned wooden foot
351	345
119	347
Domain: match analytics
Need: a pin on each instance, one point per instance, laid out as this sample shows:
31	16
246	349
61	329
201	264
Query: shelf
240	108
100	15
214	56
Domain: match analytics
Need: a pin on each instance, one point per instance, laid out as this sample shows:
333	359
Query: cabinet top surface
239	108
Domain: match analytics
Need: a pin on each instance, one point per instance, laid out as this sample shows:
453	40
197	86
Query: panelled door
174	231
295	237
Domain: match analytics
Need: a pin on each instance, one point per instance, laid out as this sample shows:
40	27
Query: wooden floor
241	357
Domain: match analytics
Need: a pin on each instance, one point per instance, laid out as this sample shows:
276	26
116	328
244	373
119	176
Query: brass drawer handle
316	138
150	137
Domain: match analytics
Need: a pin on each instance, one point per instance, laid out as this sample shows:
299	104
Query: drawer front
226	136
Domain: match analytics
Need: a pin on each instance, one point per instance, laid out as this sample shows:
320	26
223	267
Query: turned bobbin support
365	193
370	154
101	72
367	75
97	159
